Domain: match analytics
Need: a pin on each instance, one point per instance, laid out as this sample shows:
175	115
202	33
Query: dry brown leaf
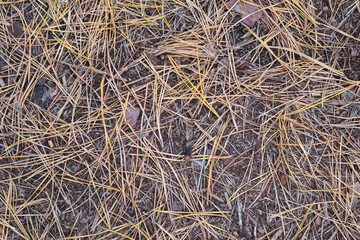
253	14
118	85
131	115
283	178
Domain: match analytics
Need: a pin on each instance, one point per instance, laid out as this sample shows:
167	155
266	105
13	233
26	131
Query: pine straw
275	113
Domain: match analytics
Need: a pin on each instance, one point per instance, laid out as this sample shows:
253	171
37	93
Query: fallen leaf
52	95
131	115
283	178
247	10
278	224
177	206
16	29
248	231
277	234
261	231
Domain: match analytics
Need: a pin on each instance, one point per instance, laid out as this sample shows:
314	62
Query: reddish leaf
253	14
131	115
283	178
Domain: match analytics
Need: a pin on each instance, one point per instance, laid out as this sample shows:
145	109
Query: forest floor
171	119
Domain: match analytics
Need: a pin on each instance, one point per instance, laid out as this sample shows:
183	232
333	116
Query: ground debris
131	115
250	11
177	206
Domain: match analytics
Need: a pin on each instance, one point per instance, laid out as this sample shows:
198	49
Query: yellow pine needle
102	206
10	209
129	223
120	234
144	21
303	221
108	146
73	49
331	69
78	180
271	51
188	215
84	236
262	178
212	159
19	1
283	131
302	11
162	13
275	215
7	88
191	86
321	101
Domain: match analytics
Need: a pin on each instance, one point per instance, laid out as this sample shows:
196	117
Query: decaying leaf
52	95
283	178
177	206
277	234
131	115
2	83
16	29
252	12
247	231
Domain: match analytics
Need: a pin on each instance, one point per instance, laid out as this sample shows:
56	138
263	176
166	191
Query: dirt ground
148	119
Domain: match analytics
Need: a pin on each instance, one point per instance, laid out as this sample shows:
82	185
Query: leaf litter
251	13
131	115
